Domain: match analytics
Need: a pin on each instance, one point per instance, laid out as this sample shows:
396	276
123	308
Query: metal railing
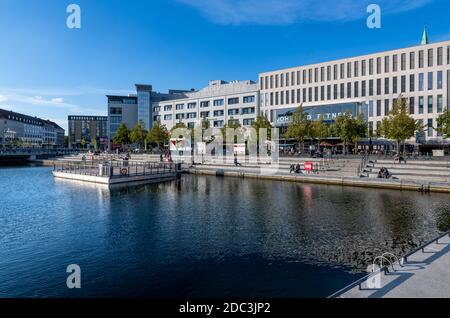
385	268
116	169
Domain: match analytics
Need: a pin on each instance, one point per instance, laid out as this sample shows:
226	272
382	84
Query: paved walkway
426	274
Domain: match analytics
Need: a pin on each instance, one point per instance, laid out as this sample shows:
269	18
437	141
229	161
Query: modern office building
366	84
27	131
218	103
88	131
137	108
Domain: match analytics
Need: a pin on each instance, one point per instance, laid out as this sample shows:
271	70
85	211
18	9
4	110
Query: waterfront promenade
423	175
424	274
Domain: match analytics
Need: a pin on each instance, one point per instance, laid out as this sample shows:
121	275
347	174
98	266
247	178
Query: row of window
386	86
357	68
216	102
429	127
416	106
206	114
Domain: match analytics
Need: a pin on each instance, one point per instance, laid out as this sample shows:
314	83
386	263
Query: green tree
300	127
94	143
234	124
158	134
178	125
349	129
138	134
122	135
262	122
83	143
320	130
399	126
443	124
205	123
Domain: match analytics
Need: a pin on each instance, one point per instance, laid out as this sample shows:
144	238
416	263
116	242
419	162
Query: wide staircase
414	170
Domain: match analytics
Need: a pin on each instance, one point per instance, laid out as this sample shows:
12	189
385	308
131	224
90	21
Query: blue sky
50	71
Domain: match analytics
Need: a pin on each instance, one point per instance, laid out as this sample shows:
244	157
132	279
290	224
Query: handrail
404	258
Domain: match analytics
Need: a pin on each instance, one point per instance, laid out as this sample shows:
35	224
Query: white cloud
57	100
281	12
3	98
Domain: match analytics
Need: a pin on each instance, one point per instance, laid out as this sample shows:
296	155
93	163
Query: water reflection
202	236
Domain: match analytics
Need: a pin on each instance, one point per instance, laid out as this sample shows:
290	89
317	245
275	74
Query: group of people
296	168
384	173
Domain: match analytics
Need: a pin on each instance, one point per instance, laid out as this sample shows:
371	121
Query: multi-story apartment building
83	130
19	129
136	108
366	84
218	103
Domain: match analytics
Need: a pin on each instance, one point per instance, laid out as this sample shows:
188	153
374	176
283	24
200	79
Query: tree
320	130
443	124
300	126
205	123
178	125
138	134
94	143
122	135
262	122
399	126
233	124
349	129
158	134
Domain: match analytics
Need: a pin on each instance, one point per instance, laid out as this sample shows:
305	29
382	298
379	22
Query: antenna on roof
425	35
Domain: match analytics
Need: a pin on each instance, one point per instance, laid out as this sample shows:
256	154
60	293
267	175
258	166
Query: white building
368	83
218	103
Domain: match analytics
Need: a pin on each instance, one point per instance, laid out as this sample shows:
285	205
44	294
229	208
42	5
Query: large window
394	63
439	104
421	101
249	99
403	61
412	83
421	82
204	104
167	108
233	101
439	56
386	64
394	85
386	85
439	80
411	105
386	107
421	59
370	87
378	108
191	105
430	104
412	60
218	102
179	106
430	127
430	58
430	81
379	86
403	84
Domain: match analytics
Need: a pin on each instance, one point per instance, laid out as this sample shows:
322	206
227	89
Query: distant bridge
17	155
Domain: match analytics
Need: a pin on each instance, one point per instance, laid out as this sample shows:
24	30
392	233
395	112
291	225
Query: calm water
202	236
